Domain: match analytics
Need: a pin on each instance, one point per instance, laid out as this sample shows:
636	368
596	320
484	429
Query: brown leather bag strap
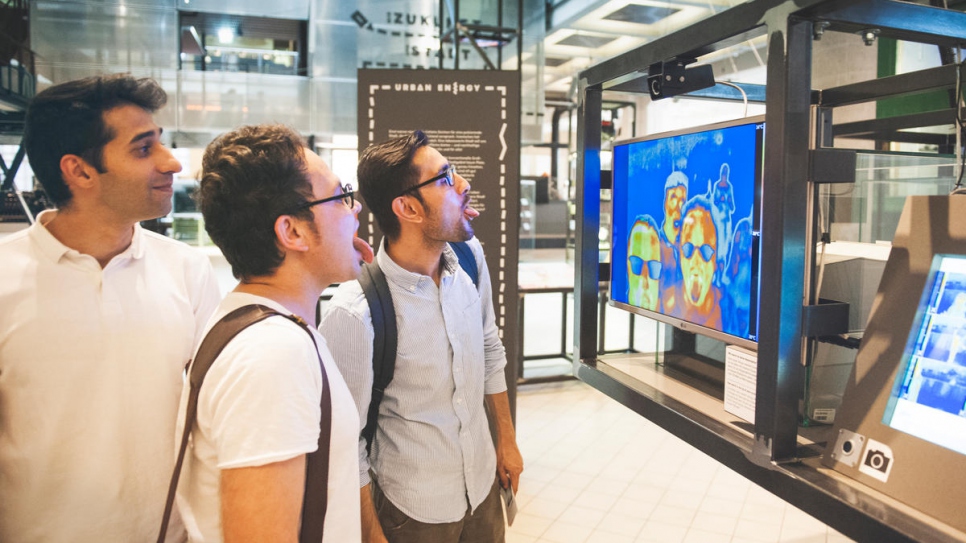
211	346
316	499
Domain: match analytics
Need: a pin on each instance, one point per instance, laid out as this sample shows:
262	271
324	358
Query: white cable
744	95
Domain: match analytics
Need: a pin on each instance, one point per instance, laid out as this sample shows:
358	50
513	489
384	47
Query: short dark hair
249	177
385	171
68	119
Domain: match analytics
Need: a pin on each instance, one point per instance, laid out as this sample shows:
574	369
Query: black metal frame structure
774	457
563	354
473	33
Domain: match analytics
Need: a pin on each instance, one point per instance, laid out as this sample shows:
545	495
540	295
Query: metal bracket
827	318
832	166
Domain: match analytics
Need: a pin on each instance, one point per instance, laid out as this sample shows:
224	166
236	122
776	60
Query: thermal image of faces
675	194
644	264
690	245
699	245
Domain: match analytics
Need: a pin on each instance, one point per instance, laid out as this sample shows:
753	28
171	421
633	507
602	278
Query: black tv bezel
678	322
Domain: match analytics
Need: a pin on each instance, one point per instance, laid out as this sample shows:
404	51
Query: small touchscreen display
929	397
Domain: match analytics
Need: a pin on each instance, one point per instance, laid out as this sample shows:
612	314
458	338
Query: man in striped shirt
433	474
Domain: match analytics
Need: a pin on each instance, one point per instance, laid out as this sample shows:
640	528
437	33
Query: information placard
472	118
741	371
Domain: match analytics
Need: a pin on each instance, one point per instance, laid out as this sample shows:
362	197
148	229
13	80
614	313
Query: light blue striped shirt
432	453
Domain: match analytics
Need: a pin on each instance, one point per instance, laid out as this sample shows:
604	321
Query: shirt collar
55	250
405	278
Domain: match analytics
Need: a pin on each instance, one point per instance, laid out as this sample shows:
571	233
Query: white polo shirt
91	367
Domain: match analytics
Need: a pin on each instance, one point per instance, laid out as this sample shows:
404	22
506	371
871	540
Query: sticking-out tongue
695	290
364	249
470	213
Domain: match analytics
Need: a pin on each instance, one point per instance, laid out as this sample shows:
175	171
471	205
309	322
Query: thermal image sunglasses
653	267
706	251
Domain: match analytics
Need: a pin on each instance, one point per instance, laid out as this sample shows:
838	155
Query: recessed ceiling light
226	35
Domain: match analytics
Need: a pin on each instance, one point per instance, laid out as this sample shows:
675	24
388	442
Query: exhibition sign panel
472	119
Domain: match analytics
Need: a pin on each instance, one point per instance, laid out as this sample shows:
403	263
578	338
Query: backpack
375	288
315	500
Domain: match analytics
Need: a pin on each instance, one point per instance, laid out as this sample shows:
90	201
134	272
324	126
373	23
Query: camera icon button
877	460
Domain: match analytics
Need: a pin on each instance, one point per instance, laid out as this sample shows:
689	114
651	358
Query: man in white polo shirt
97	321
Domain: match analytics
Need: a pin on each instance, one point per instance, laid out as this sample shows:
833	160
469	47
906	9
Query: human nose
356	207
463	186
167	163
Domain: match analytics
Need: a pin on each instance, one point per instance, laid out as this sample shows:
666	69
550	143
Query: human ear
406	210
77	173
290	233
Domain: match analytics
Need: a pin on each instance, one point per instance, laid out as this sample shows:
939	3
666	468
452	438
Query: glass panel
289	9
80	39
220	101
861	220
869	210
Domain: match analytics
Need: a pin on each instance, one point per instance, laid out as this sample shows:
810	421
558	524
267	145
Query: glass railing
244	60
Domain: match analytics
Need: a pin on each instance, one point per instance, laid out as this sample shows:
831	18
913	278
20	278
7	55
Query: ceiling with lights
582	33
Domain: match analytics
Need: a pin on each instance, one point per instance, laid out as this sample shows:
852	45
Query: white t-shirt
91	367
259	404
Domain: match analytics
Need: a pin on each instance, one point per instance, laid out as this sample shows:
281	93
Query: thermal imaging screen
929	399
685	226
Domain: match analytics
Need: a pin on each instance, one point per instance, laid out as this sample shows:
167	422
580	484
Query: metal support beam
475	32
701	38
890	125
460	29
588	223
9	173
783	233
896	85
893	19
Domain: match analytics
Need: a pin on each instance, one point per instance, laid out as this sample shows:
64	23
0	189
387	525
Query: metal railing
17	83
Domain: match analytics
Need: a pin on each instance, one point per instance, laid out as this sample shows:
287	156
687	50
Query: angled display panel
901	427
929	396
686	223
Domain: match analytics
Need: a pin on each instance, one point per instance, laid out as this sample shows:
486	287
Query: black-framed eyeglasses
348	198
449	176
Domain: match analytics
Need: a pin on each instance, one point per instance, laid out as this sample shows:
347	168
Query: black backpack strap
212	345
467	260
375	287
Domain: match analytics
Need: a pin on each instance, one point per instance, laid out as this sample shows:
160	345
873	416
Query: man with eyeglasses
435	473
287	227
644	264
701	298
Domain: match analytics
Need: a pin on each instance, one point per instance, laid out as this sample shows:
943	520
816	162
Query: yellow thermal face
644	266
673	202
698	241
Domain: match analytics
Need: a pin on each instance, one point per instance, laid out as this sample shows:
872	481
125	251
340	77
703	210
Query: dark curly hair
250	176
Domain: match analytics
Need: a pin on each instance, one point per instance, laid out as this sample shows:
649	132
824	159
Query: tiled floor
596	472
